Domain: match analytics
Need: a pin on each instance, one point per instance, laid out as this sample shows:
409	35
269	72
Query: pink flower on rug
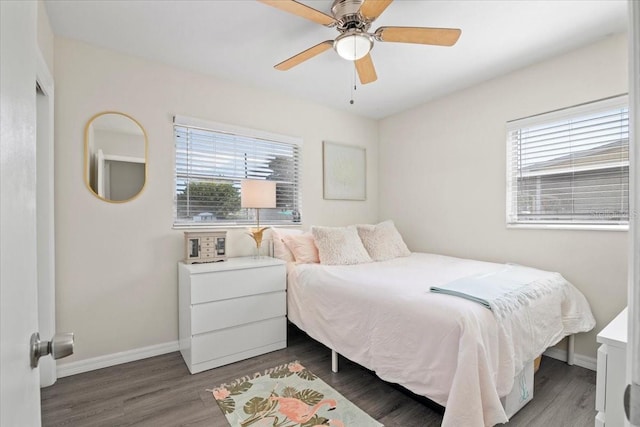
221	393
296	367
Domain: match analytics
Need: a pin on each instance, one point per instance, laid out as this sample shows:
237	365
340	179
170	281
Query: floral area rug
287	396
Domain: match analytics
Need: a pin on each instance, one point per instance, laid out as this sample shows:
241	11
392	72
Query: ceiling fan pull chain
355	87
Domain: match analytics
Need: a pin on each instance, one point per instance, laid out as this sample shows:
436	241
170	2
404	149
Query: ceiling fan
352	18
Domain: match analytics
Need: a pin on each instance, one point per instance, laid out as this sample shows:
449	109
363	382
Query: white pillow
239	242
339	245
280	250
382	241
303	248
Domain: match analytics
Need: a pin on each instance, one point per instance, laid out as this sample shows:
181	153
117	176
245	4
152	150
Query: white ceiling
241	40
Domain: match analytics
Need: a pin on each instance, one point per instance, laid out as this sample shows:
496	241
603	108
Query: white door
19	391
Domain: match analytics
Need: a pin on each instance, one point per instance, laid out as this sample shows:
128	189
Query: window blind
570	167
211	163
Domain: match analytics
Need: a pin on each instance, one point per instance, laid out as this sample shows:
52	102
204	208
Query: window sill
230	226
577	227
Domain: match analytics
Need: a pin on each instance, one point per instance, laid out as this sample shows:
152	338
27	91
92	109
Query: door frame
633	348
45	214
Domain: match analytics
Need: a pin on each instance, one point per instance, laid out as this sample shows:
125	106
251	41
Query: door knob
61	345
632	404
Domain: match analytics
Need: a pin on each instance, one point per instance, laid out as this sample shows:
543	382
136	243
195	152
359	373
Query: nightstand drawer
214	345
220	285
237	311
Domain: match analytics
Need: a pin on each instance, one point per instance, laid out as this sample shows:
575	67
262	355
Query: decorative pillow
339	245
303	248
383	241
239	243
280	250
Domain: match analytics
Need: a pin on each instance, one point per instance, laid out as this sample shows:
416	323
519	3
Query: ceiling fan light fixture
353	45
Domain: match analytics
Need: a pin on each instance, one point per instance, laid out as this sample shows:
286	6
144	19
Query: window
211	161
570	167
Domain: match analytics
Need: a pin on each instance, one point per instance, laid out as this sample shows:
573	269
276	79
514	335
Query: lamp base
257	235
258	253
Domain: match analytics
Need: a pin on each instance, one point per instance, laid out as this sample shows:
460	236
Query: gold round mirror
115	156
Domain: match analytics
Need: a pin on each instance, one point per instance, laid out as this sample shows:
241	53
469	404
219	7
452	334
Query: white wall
442	176
116	268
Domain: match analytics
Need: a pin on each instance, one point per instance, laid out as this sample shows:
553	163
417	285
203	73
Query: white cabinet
611	375
232	310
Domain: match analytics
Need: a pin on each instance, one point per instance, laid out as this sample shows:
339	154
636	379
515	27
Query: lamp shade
256	193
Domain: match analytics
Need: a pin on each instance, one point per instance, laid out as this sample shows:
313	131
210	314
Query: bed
455	352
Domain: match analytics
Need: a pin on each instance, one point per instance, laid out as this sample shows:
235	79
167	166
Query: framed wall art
344	170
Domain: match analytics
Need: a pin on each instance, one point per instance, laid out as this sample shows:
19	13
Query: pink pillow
303	248
280	250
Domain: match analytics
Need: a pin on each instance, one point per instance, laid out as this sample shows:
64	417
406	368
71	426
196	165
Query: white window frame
233	130
512	221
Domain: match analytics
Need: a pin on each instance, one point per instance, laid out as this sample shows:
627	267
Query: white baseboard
578	360
86	365
73	368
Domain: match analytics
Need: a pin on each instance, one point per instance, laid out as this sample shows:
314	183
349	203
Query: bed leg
334	361
570	349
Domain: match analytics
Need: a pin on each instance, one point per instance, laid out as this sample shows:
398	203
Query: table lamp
257	194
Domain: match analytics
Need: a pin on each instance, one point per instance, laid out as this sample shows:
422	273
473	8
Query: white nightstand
611	373
232	310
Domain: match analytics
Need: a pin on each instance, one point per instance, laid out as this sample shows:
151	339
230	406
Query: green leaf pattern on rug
306	375
291	369
240	388
281	373
227	405
289	392
256	405
222	395
308	396
301	371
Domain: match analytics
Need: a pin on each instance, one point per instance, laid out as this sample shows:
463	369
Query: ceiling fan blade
373	8
421	35
301	10
366	70
304	55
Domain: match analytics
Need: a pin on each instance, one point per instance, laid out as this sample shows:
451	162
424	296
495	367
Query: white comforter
382	316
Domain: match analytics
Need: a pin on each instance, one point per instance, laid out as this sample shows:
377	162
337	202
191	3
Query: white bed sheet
382	316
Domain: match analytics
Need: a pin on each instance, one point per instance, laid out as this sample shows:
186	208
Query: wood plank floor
159	391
